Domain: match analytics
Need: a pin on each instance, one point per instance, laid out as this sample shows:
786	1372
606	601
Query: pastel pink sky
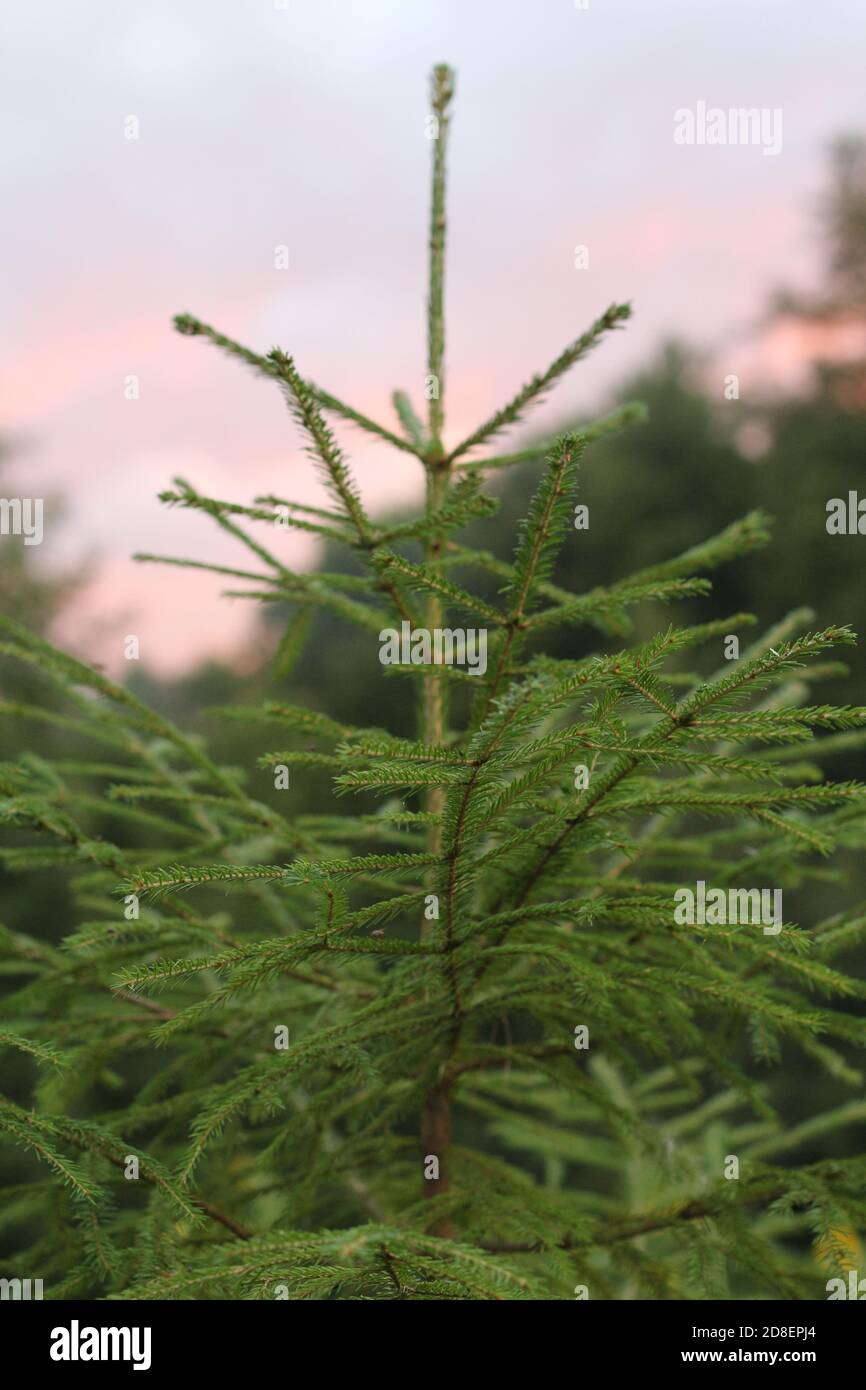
303	125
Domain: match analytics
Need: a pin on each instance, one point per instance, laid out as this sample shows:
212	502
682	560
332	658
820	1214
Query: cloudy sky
301	124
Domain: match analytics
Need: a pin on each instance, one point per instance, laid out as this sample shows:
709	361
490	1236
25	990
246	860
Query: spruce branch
632	413
192	327
537	386
323	447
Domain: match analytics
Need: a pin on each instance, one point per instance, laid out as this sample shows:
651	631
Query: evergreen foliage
434	1129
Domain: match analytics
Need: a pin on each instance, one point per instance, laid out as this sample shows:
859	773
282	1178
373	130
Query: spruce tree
450	1038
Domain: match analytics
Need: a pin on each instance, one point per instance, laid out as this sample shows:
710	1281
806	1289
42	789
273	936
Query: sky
301	124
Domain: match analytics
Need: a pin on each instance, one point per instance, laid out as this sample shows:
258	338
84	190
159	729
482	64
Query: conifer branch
537	386
632	413
412	426
192	327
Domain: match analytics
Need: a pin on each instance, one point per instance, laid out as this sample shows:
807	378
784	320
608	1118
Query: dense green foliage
437	938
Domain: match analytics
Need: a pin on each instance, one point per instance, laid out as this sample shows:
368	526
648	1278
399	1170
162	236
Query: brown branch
209	1210
765	1190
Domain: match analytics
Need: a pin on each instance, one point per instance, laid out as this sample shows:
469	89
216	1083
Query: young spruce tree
458	1043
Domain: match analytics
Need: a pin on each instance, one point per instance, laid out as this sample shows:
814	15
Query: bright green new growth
419	1037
